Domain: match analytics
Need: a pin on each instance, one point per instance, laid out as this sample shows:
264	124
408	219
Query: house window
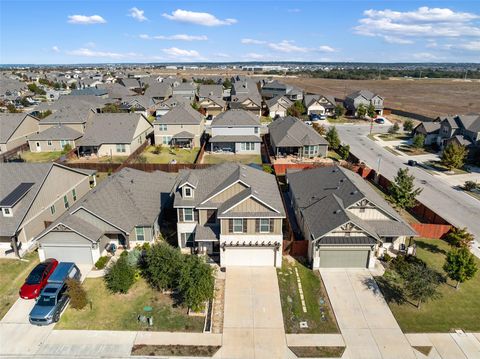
237	225
187	240
188	214
256	130
140	233
121	147
162	127
52	209
7	212
74	194
264	225
65	201
310	150
247	146
188	192
166	140
63	143
49	142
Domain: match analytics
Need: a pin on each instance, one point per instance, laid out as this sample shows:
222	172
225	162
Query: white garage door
78	255
254	257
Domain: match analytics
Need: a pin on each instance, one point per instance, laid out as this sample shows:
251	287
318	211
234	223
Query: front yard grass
167	154
455	309
40	157
175	350
333	155
120	311
220	158
412	151
438	166
314	293
12	275
394	136
341	119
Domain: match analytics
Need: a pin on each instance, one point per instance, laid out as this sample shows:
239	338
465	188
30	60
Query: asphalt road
455	206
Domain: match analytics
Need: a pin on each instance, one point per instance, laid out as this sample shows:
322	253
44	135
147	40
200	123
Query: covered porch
183	139
207	242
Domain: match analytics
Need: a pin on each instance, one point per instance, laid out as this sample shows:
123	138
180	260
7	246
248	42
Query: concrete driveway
253	321
368	326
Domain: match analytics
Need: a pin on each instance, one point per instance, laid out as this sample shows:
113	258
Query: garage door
260	257
78	255
344	258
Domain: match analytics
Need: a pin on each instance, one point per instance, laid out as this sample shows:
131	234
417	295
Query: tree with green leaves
344	151
296	110
421	283
35	89
361	110
402	191
111	108
333	138
160	266
418	141
470	185
196	282
120	276
320	129
77	294
459	237
227	83
460	265
454	155
12	109
408	125
339	110
73	86
371	111
394	129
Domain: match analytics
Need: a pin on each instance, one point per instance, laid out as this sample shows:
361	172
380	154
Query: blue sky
44	32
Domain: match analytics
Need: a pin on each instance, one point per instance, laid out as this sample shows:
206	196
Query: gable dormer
188	191
8	203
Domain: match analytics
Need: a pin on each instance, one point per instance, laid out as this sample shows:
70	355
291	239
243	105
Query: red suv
37	279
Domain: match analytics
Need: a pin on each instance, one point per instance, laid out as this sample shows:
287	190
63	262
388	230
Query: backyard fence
430	230
13	153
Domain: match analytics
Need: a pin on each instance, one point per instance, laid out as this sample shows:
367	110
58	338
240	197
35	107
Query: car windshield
46	301
36	275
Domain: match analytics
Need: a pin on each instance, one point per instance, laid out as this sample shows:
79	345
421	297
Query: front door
38	146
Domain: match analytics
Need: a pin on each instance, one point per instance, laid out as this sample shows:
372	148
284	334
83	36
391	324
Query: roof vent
337	211
354	192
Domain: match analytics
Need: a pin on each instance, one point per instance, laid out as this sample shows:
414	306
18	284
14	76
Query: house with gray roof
70	116
278	106
54	138
235	131
124	209
271	89
182	126
162	107
245	95
346	222
365	98
212	91
291	136
186	90
319	104
235	219
462	129
430	130
33	195
114	134
14	130
158	90
212	106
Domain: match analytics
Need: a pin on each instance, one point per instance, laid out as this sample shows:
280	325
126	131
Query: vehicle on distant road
37	279
309	123
412	163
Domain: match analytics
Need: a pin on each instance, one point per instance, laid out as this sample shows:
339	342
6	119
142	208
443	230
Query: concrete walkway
253	321
368	327
448	345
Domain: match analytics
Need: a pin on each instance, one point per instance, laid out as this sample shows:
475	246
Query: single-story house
54	139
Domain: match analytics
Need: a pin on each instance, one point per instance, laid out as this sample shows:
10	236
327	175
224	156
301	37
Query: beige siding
97	222
228	193
45	147
250	205
202	216
59	182
369	214
28	127
277	227
143	127
172	130
148	232
106	150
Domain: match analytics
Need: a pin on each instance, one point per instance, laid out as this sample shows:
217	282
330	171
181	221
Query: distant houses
365	98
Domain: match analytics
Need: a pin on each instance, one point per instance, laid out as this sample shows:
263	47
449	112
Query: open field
428	97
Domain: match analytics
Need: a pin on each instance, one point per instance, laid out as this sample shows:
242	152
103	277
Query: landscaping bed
167	155
108	311
175	350
454	309
318	352
315	296
219	158
13	274
412	151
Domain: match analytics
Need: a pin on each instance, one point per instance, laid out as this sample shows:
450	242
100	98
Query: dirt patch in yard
175	350
318	352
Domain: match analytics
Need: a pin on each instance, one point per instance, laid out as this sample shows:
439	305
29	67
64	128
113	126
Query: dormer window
7	212
187	192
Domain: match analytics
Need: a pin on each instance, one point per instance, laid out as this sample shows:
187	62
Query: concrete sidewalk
169	338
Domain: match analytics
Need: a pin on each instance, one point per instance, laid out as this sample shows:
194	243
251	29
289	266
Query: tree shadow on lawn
393	293
433	248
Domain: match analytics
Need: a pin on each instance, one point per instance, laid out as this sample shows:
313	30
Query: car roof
51	289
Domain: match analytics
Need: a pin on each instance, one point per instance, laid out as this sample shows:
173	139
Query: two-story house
278	106
275	88
245	95
186	90
463	129
182	126
33	195
345	221
235	218
235	131
124	209
319	104
14	130
366	98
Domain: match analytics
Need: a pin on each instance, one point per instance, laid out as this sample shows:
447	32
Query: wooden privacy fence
13	153
430	230
296	248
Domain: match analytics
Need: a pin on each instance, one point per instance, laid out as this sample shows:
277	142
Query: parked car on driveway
380	120
37	279
49	305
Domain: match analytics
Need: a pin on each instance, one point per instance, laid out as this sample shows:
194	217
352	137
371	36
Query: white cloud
397	27
176	52
90	44
397	40
137	14
469	46
84	52
198	18
326	48
222	54
180	37
86	20
252	41
425	56
286	46
55	49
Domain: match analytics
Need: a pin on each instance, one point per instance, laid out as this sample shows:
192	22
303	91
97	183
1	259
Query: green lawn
13	274
391	150
219	158
456	309
412	151
265	120
341	119
40	157
168	154
333	155
437	166
119	311
394	137
313	291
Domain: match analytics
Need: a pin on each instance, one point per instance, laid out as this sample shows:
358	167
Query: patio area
289	159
